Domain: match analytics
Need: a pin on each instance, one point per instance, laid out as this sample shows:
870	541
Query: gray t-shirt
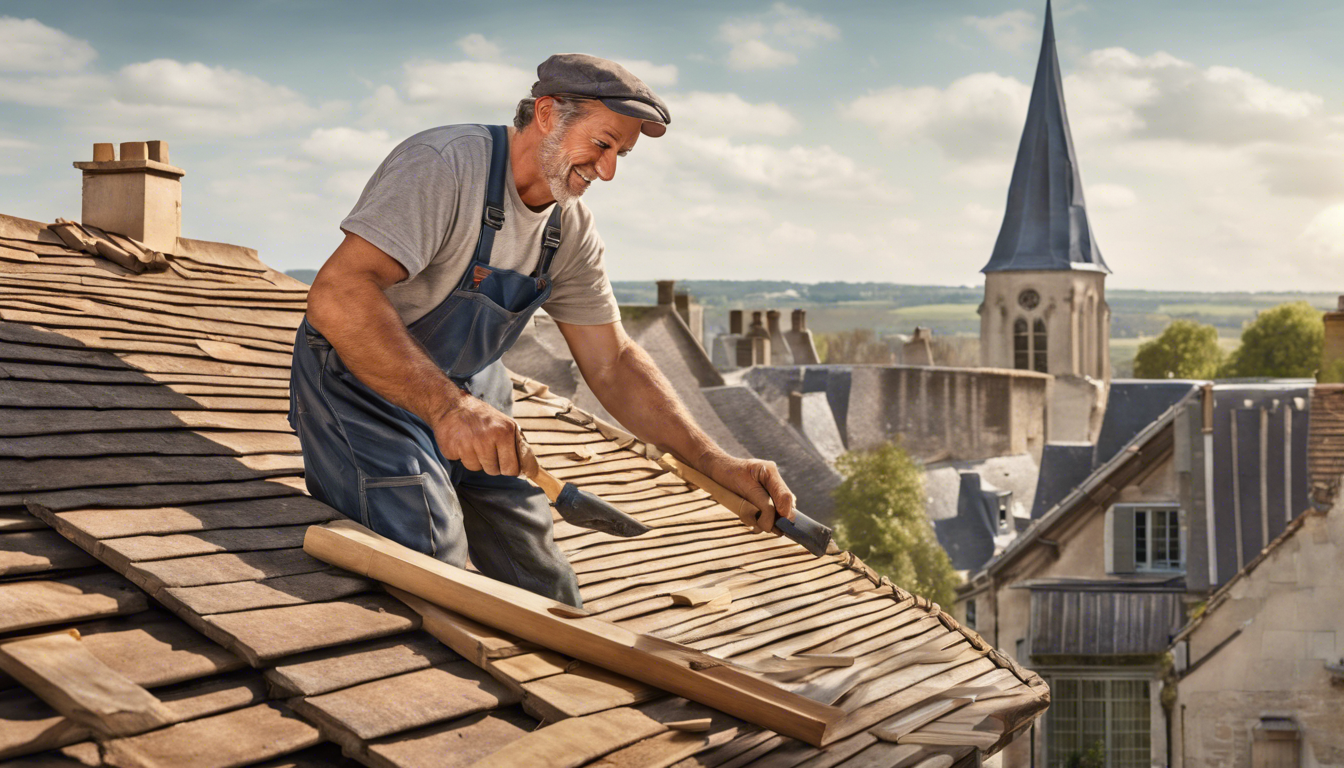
423	207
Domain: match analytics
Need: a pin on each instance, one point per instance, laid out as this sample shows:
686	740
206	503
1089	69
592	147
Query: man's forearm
364	327
643	400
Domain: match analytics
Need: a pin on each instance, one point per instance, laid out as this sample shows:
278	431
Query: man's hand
759	483
478	435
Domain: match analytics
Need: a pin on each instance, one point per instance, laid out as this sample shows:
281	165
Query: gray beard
555	167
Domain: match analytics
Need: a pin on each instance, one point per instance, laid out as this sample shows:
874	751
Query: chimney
799	320
772	322
757	325
760	350
666	292
139	196
1332	351
735	321
796	410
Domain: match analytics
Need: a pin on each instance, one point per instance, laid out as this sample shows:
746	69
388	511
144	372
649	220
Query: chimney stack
667	290
735	321
139	196
796	410
799	320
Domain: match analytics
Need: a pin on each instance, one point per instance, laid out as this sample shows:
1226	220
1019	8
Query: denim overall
379	464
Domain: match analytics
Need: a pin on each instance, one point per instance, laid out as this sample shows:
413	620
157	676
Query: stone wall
1262	651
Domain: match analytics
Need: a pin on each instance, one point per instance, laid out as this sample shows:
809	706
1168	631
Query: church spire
1045	225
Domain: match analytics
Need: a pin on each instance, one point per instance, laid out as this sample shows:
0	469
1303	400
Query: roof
1135	620
1131	405
1045	226
765	435
969	536
1063	467
143	421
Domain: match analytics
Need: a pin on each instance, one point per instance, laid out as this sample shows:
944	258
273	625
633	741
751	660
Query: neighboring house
1092	593
1259	673
151	499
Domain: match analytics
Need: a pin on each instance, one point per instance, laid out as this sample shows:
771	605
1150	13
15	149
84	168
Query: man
397	392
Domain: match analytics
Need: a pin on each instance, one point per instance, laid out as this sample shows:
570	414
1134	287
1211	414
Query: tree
881	519
1184	350
1283	342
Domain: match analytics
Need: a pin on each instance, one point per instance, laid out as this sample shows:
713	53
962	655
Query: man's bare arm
630	386
346	304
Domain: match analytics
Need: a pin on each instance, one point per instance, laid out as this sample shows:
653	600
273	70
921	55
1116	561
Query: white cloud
976	117
814	170
28	45
1109	196
441	92
1010	30
727	114
13	153
343	144
773	39
477	46
1324	234
654	75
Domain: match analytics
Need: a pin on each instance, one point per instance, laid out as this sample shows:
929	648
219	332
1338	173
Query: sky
854	141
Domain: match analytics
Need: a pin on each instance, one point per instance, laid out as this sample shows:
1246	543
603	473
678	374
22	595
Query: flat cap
578	74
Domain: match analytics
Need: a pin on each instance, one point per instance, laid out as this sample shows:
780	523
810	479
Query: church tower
1045	284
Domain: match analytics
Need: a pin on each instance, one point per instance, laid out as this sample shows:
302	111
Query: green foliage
1185	350
860	345
881	519
1094	757
1283	342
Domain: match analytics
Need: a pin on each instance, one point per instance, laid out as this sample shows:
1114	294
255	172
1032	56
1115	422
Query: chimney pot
796	410
134	150
772	321
735	321
760	350
799	320
104	153
666	291
158	151
683	303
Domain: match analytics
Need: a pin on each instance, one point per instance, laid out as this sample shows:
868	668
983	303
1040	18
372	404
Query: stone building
1045	284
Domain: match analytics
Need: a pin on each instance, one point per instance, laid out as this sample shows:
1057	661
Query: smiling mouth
583	180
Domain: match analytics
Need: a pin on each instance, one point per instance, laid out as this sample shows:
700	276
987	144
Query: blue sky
838	141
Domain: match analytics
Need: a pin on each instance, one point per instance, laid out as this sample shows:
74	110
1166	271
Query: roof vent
139	196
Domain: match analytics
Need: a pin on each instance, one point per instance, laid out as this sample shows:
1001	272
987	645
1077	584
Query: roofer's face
587	150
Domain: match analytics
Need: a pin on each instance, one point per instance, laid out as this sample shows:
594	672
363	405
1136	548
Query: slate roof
142	419
1045	225
1133	404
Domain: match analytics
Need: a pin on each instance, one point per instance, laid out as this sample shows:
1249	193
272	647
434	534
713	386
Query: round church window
1029	299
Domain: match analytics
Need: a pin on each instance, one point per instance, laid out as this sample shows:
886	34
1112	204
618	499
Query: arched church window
1038	346
1021	345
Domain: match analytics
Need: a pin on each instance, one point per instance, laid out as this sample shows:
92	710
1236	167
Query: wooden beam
648	659
62	672
576	741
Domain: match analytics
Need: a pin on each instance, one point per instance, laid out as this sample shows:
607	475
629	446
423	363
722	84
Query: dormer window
1144	537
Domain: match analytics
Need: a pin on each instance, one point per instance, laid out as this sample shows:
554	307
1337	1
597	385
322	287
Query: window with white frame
1157	539
1099	718
970	614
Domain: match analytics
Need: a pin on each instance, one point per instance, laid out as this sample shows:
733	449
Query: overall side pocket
398	508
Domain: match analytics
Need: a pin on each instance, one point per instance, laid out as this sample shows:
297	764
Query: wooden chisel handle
532	469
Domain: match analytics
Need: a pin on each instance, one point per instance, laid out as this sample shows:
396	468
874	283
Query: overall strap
550	242
493	219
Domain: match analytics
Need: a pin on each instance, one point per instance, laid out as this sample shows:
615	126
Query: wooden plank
319	586
33	352
576	741
333	669
134	549
31	604
583	690
175	364
411	700
475	642
458	744
28	725
735	561
51	421
271	633
52	394
19	520
76	373
244	513
164	443
652	661
101	317
528	666
223	741
227	381
63	673
657	751
38	551
154	649
154	575
20	477
211	696
235	353
150	496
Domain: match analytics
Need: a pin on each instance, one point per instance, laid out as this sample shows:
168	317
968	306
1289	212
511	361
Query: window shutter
1120	539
